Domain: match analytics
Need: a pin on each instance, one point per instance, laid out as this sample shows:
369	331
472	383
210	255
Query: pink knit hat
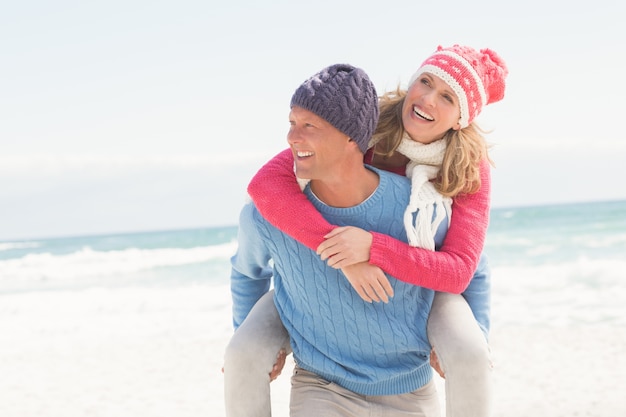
476	77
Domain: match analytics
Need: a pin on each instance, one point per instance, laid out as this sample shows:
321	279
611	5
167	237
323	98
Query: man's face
318	147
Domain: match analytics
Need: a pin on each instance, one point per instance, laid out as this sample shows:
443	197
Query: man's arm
251	272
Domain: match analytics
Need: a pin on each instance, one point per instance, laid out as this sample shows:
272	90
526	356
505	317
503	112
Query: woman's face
430	109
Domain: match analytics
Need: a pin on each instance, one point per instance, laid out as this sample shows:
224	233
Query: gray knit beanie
345	97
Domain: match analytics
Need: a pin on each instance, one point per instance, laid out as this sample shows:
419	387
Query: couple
353	355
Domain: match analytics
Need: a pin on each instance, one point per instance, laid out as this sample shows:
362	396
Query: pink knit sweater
449	270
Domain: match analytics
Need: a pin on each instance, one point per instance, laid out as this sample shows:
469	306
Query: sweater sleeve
251	272
451	268
276	183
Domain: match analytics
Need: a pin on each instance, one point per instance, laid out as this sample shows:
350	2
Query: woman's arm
451	268
275	183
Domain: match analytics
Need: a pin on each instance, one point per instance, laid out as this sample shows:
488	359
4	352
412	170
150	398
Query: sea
135	324
557	264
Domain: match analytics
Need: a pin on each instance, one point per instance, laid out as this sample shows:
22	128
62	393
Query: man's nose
293	136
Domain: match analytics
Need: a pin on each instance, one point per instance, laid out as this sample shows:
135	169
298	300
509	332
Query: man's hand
279	365
434	362
369	281
345	246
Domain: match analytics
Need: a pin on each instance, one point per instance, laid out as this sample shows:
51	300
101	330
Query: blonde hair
465	149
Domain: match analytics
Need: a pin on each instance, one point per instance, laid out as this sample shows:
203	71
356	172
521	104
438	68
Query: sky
134	115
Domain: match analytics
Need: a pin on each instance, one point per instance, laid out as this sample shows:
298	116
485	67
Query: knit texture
345	97
449	270
452	268
371	349
476	77
427	208
421	217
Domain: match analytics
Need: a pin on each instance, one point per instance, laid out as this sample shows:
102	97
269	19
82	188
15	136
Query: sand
555	372
159	352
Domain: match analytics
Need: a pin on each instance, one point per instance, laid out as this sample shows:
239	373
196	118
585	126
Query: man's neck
346	190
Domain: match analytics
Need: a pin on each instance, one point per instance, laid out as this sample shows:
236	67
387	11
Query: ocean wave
5	246
87	262
550	248
585	290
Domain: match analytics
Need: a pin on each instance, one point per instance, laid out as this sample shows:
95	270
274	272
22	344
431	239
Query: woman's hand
345	246
369	281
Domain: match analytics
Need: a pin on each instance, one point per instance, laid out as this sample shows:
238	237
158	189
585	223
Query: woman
427	133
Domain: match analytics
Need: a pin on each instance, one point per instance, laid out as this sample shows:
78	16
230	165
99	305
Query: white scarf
424	165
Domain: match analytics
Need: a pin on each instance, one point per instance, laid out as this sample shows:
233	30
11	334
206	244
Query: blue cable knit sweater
370	349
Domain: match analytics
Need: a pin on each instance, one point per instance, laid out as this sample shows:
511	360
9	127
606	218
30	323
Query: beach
136	325
104	353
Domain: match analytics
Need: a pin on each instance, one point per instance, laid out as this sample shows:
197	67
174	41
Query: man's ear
353	142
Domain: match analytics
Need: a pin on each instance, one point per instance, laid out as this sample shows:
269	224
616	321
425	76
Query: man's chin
302	174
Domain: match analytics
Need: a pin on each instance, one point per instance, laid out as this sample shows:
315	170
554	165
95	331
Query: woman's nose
429	98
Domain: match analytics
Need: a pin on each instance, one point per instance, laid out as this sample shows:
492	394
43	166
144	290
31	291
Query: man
352	357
